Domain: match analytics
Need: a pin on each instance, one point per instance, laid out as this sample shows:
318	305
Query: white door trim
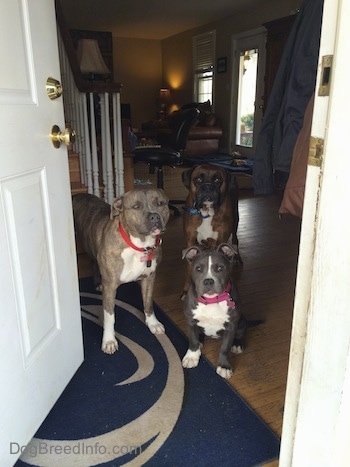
316	428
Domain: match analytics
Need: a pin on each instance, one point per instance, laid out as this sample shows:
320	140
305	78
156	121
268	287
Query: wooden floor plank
269	248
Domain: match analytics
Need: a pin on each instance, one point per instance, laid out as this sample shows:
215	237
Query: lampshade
90	59
164	96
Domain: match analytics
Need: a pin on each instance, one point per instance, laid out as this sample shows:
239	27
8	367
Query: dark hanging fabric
291	92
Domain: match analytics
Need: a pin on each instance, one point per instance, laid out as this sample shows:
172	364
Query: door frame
316	424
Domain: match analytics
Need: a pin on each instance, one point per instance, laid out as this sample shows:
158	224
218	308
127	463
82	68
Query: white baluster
82	138
75	122
88	166
95	169
118	146
108	159
103	144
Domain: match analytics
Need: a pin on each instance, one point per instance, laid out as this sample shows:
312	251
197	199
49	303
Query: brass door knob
57	136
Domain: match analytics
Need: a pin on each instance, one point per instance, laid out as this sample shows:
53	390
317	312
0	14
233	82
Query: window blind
203	52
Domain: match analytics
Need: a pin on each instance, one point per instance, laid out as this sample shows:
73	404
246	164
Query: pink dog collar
224	296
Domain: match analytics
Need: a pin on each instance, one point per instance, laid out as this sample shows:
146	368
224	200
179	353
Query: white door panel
40	326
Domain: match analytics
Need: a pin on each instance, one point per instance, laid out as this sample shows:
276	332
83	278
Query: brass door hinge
315	151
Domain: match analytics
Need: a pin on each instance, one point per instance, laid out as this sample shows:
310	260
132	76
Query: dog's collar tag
195	212
148	256
224	296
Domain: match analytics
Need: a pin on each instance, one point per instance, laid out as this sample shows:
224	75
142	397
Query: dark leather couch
204	136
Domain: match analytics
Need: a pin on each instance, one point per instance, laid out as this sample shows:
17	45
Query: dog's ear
186	178
190	253
227	250
116	207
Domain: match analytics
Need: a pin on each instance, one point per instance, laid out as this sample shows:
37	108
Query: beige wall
138	66
144	66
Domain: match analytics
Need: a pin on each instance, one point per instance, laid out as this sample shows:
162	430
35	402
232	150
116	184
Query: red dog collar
148	250
224	296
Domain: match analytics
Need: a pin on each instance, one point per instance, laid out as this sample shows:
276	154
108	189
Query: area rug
139	407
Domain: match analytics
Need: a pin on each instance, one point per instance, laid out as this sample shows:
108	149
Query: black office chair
172	147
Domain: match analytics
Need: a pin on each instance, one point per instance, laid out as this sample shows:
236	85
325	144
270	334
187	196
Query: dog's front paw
154	325
109	342
109	346
191	358
224	372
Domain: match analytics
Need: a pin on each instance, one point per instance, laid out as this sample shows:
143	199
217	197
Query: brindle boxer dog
124	240
211	210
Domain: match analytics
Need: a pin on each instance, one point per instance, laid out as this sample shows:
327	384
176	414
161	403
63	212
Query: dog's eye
199	180
217	180
160	203
219	268
136	206
199	268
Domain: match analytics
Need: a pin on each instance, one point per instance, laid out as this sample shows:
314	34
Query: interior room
155	69
142	55
139	70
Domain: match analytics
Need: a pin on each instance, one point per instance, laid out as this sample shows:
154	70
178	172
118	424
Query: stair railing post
103	143
118	146
95	169
109	191
81	135
87	162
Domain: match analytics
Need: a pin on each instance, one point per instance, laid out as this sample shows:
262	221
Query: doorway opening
248	66
248	70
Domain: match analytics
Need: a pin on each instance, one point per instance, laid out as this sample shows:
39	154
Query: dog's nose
208	282
155	220
154	217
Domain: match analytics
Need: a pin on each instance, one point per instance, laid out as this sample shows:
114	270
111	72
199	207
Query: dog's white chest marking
211	317
135	263
205	230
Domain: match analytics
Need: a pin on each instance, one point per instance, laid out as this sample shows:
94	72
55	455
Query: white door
40	327
316	423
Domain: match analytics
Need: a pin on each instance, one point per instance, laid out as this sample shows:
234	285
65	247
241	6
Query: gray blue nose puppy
212	305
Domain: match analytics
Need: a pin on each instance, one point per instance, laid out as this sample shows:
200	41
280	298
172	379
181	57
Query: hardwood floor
266	281
269	248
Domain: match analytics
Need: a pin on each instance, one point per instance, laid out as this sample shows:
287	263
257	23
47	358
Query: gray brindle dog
124	241
212	305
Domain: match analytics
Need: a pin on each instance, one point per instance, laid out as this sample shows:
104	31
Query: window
204	59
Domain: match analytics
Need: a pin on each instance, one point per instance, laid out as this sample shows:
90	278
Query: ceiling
148	19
